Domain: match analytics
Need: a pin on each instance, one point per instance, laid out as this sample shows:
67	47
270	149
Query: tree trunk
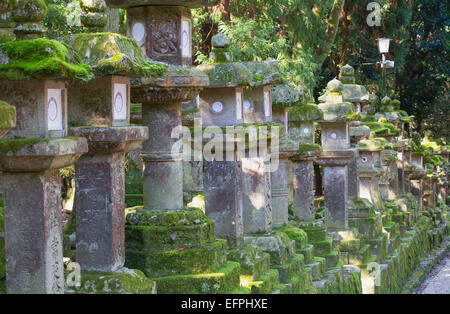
332	28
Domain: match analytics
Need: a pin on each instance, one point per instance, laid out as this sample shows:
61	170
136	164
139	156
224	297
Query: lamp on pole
383	48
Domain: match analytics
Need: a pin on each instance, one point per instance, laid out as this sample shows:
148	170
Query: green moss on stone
204	259
303	149
285	96
40	59
298	235
225	280
125	281
7	115
382	129
15	145
226	74
162	218
254	262
109	53
307	112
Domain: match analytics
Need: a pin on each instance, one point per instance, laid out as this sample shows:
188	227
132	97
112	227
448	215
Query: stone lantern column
442	184
100	112
336	155
33	153
357	133
417	175
407	169
283	97
302	130
358	96
256	163
369	169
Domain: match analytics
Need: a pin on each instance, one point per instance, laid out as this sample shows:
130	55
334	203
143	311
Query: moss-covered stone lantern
100	112
34	75
336	155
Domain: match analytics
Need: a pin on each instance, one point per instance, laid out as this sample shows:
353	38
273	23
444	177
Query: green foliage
293	32
63	18
424	84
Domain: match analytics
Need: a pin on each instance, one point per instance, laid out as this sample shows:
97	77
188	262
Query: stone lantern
416	176
162	29
32	155
100	112
336	155
359	97
369	170
356	94
221	104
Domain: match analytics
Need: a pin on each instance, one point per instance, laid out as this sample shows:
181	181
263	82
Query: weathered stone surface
33	236
222	106
263	73
163	175
111	140
179	84
284	95
100	202
280	183
34	155
257	105
123	281
226	74
223	199
303	186
162	31
359	131
7	118
220	40
31	99
256	193
93	104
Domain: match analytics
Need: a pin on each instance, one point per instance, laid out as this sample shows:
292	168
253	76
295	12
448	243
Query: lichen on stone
263	73
303	113
40	59
7	115
382	128
284	95
109	53
226	74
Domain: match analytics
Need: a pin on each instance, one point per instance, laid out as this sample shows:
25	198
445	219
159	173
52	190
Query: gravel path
438	281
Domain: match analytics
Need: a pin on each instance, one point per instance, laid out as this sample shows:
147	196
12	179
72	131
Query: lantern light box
103	102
